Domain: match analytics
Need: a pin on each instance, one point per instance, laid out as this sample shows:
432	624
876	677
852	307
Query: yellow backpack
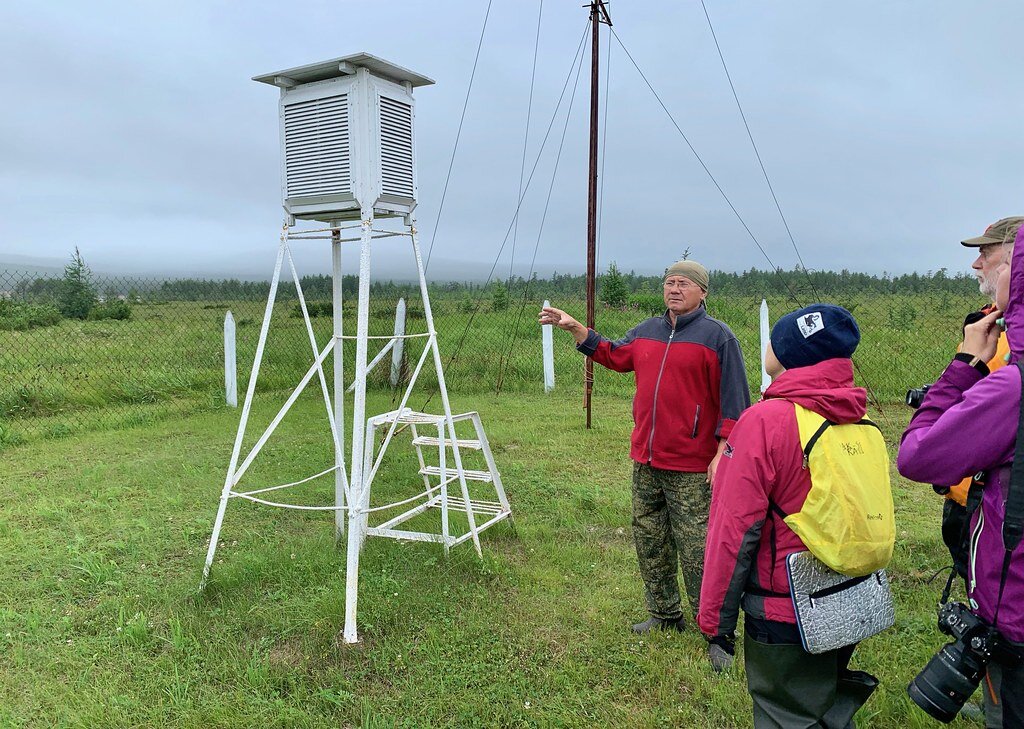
847	520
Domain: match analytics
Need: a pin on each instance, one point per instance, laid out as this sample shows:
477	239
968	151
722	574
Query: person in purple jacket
968	424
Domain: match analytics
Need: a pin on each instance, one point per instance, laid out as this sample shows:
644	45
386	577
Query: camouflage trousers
670	525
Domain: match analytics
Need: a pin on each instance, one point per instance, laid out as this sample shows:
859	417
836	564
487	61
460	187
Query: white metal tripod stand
353	485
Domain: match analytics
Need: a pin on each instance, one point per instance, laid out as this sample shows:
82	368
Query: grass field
168	359
101	624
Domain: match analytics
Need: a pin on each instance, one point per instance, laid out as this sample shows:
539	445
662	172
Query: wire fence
139	349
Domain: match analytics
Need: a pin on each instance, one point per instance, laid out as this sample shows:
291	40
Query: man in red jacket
690	388
748	542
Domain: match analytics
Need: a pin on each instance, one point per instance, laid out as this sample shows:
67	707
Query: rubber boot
653	623
852	690
790	688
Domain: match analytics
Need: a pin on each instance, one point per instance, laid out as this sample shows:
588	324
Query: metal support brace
250	391
353	485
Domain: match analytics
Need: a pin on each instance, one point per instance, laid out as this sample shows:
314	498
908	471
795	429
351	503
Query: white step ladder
437	479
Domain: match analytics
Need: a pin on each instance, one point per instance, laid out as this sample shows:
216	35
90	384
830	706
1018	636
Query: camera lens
946	683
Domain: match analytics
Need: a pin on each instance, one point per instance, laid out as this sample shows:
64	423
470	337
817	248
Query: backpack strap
821	431
814	439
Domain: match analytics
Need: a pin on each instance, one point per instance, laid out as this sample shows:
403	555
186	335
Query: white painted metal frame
353	486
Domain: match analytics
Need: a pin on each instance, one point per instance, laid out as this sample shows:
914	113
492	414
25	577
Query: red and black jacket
691	386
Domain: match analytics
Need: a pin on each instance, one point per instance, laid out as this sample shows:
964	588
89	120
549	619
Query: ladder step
411	417
479	507
407	416
453	474
426	440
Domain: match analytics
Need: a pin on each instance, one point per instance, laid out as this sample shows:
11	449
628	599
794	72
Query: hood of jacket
1014	314
826	388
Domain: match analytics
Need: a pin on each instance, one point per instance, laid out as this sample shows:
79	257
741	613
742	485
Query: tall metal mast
598	15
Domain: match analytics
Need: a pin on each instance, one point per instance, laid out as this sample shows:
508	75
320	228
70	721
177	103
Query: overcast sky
890	130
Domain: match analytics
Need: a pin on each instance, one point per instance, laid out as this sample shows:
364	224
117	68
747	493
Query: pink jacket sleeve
739	505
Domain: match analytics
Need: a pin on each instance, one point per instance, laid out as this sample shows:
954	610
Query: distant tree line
77	291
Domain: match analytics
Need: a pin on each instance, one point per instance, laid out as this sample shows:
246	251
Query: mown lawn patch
105	534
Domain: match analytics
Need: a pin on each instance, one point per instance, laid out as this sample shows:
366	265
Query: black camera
916	396
953	674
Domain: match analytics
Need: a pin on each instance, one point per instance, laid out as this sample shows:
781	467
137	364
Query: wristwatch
974	361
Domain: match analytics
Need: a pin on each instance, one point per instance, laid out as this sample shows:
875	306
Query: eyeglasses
684	284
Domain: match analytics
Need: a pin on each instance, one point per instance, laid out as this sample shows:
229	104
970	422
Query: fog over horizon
890	132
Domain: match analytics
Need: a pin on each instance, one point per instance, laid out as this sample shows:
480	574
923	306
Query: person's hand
982	337
557	317
713	468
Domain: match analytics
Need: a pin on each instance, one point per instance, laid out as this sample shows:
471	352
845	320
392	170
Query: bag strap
1013	521
762	592
844	585
1013	516
974	494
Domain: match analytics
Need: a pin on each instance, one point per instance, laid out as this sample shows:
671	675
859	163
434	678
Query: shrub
315	309
903	316
647	303
20	316
116	309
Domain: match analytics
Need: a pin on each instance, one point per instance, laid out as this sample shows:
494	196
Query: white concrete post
230	364
765	339
399	348
549	354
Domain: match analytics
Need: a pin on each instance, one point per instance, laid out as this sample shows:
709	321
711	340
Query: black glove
726	642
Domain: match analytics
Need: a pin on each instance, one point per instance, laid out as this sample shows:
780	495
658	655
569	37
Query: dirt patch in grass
286	654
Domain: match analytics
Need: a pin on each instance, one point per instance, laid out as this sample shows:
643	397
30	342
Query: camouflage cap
1001	231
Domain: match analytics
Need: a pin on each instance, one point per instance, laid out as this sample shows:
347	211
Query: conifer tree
77	293
499	297
613	288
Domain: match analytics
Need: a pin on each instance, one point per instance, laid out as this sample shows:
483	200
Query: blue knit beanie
813	334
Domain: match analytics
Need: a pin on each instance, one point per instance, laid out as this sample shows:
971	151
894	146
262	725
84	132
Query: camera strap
1013	518
974	495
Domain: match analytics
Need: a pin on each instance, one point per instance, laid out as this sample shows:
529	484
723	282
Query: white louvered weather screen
396	161
316	147
348	141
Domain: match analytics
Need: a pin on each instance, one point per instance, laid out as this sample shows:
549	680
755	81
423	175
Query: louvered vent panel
316	147
396	147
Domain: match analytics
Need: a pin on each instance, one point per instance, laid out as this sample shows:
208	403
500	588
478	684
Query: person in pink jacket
760	479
